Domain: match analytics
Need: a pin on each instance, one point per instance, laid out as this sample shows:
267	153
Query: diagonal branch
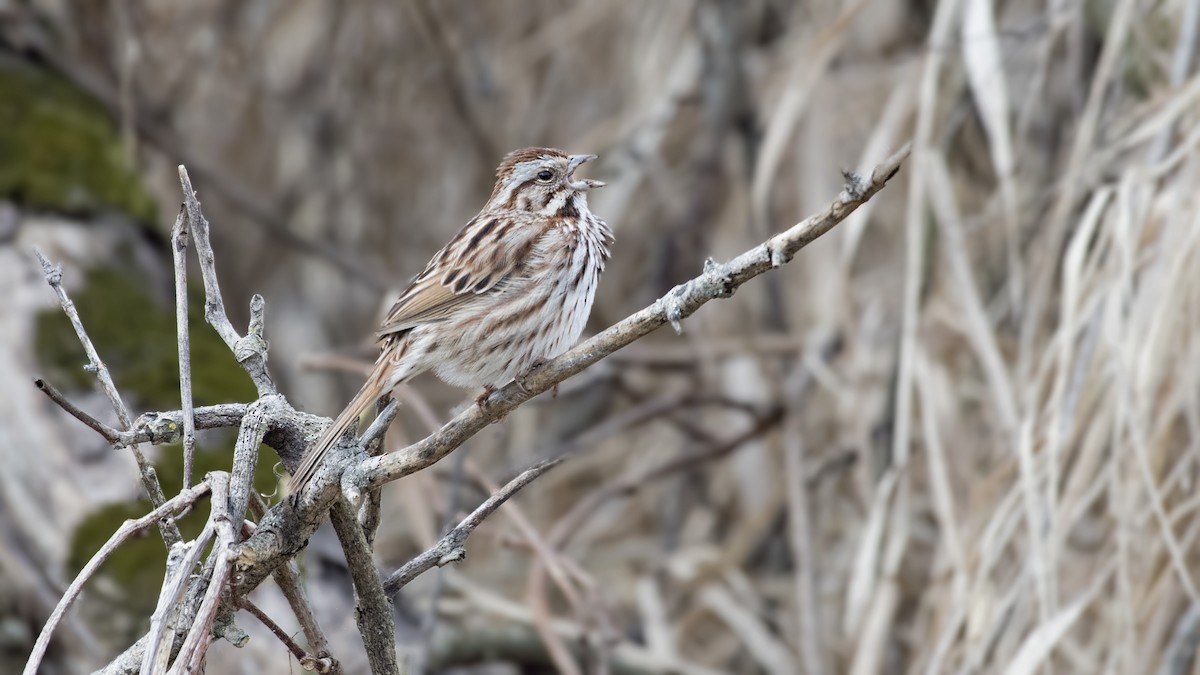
372	607
450	547
110	434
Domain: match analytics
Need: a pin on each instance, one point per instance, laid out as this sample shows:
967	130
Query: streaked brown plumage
513	288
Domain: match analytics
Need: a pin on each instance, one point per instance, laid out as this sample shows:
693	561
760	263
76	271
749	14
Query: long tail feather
370	392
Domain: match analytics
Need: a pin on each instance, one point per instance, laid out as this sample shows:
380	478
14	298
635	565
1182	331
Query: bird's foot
520	380
481	400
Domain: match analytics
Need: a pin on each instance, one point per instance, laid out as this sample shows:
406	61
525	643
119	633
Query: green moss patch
59	151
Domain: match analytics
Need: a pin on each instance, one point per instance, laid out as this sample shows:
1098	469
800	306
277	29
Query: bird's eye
545	175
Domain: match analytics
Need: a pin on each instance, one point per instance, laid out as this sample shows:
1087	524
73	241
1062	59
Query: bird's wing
482	258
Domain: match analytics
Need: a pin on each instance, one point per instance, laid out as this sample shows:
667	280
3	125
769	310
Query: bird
511	290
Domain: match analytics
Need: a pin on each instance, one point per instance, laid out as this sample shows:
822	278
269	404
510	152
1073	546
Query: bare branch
53	273
127	530
450	547
174	582
251	350
110	434
159	428
200	635
179	243
372	607
289	431
296	650
254	428
287	577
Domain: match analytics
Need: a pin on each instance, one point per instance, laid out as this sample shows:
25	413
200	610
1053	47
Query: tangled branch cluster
251	542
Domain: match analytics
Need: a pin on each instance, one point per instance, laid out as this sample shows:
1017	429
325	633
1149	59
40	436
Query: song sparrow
513	288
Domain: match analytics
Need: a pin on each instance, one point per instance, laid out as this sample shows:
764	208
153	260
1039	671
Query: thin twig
179	243
450	547
297	650
54	275
110	434
127	530
287	577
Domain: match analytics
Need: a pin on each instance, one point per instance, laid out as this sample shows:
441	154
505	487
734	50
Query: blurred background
958	434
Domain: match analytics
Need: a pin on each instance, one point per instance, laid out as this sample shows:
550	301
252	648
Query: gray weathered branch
372	607
179	241
450	548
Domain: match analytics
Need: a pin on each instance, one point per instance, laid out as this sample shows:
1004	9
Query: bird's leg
481	400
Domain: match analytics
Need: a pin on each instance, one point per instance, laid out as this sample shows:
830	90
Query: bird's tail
370	392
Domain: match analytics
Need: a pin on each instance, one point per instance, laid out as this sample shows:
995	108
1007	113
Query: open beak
585	184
